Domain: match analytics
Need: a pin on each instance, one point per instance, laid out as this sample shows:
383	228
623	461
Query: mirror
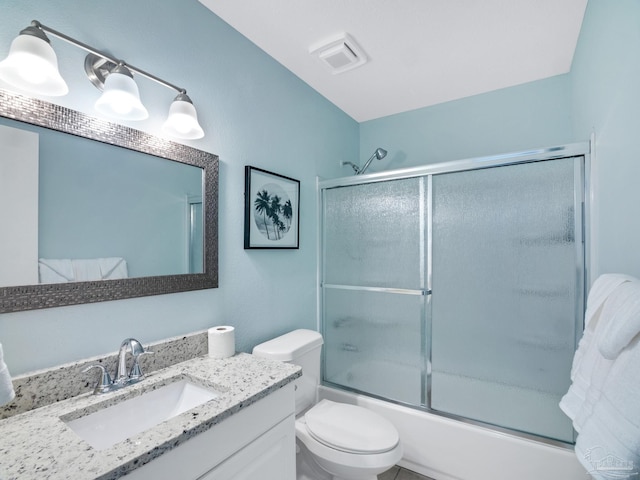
140	209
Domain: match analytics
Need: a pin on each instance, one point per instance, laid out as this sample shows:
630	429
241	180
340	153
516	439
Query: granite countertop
39	445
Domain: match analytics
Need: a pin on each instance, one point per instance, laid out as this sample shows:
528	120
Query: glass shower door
374	288
507	293
196	235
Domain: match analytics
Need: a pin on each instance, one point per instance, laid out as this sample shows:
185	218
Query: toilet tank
300	347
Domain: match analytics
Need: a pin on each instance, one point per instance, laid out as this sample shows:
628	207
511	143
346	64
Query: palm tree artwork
273	210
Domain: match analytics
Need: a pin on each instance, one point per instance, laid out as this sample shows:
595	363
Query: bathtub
446	449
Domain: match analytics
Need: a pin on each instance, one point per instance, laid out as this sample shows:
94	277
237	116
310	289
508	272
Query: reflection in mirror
99	216
107	221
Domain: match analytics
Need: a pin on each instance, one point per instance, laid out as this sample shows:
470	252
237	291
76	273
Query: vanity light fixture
32	66
183	120
120	96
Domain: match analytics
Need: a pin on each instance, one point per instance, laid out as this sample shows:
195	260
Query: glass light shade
182	121
121	98
32	66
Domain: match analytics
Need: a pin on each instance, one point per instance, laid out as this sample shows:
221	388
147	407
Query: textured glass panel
372	234
196	238
373	343
505	295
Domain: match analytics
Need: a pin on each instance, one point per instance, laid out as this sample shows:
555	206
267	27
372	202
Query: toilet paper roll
222	342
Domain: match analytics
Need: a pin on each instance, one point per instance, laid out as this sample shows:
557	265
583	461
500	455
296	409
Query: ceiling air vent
340	54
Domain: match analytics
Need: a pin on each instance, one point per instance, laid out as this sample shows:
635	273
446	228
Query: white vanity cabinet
258	442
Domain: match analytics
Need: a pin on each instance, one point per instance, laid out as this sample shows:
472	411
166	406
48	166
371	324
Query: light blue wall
605	86
255	112
532	115
601	94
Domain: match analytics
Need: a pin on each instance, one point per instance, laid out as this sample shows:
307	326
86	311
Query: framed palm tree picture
271	210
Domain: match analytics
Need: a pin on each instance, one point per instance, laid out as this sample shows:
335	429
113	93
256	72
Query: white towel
609	441
86	269
6	387
589	366
619	332
591	373
53	270
112	268
600	290
81	269
622	303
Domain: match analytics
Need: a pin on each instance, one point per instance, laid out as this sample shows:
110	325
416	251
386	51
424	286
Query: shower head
379	154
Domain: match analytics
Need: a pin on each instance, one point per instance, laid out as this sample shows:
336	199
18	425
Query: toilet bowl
336	441
347	441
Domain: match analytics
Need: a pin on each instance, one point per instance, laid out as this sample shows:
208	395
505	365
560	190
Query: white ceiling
421	52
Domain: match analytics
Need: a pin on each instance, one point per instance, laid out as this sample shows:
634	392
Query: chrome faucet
122	378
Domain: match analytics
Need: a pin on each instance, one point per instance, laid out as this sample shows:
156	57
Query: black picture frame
271	210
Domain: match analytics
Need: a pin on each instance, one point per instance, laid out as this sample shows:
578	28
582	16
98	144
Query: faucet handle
104	383
136	372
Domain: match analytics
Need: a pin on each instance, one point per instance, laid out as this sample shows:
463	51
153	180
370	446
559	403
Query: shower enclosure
458	288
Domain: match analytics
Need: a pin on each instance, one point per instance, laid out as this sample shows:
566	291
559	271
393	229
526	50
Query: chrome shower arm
366	165
354	166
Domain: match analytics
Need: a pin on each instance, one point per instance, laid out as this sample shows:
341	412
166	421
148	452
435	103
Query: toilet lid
350	428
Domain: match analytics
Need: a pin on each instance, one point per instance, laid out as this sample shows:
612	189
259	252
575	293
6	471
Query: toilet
335	441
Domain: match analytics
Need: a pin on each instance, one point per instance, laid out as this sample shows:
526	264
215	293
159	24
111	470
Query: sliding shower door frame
583	197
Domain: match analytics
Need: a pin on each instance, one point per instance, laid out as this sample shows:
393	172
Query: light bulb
121	98
182	121
32	65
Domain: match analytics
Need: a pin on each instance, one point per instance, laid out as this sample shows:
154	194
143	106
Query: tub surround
37	389
38	444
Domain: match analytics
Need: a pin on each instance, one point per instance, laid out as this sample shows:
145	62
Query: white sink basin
118	422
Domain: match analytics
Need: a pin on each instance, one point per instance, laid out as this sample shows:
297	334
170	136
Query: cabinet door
271	456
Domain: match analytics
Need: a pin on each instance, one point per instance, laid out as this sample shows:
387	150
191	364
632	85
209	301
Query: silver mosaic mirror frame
55	117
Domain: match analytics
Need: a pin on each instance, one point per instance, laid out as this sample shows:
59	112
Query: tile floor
398	473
